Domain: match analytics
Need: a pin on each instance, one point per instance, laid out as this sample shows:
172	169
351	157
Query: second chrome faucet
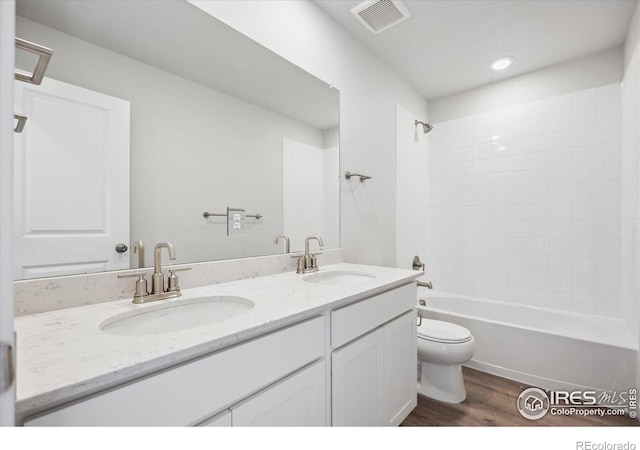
158	291
308	262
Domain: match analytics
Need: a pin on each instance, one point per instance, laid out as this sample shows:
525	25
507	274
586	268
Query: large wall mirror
151	114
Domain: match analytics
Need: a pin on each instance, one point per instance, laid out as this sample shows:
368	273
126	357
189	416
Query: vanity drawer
355	320
190	393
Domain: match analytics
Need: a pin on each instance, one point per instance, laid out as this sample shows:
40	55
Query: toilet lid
439	331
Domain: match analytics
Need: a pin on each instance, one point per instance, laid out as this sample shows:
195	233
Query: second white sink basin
177	315
340	277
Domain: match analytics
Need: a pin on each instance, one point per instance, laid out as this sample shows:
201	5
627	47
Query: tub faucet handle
417	264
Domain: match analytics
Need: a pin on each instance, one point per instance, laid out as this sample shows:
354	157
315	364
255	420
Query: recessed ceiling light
502	63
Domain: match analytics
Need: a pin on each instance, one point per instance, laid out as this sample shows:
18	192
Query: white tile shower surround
525	203
51	294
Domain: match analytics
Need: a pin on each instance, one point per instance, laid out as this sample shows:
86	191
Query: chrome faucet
308	262
287	242
158	292
157	279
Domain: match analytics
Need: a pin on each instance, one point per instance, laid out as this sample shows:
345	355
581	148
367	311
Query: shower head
426	127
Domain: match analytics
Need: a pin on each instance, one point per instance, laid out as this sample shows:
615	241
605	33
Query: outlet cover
235	221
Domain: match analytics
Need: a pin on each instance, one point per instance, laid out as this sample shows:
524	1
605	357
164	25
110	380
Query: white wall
412	189
193	149
301	33
571	76
526	203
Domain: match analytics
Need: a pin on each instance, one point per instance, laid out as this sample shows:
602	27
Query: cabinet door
356	381
298	400
399	386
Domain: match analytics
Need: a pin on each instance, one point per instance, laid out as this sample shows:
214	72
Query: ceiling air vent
379	15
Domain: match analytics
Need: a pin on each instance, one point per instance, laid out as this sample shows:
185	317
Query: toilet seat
443	332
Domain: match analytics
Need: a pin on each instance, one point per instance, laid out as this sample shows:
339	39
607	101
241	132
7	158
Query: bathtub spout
428	285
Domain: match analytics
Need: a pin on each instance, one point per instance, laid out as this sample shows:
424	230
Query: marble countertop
63	355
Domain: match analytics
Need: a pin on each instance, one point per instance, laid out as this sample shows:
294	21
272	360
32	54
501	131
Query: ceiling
202	49
446	47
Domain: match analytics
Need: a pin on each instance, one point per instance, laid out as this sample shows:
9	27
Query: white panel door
399	386
303	201
357	381
298	400
72	181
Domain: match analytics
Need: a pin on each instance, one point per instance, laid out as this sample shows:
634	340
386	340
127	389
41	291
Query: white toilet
442	349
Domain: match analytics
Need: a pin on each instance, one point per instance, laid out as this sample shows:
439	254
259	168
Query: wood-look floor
491	401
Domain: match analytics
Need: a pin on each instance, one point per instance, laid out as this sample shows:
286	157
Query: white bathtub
541	347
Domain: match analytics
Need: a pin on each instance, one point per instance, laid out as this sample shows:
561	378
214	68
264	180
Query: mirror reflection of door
71	198
310	190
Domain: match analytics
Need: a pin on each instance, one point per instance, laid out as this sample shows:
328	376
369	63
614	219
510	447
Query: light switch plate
235	221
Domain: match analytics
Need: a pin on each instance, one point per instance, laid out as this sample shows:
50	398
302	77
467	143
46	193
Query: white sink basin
177	316
340	278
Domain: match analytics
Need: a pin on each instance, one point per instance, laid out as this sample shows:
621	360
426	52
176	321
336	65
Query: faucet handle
314	261
131	275
141	284
301	265
417	264
173	279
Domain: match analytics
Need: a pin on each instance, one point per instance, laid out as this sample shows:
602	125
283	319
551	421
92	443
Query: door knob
121	248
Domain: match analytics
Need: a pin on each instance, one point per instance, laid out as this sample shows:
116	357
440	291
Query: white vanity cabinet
190	393
354	365
374	375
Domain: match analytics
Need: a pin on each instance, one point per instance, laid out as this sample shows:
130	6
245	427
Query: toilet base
442	382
